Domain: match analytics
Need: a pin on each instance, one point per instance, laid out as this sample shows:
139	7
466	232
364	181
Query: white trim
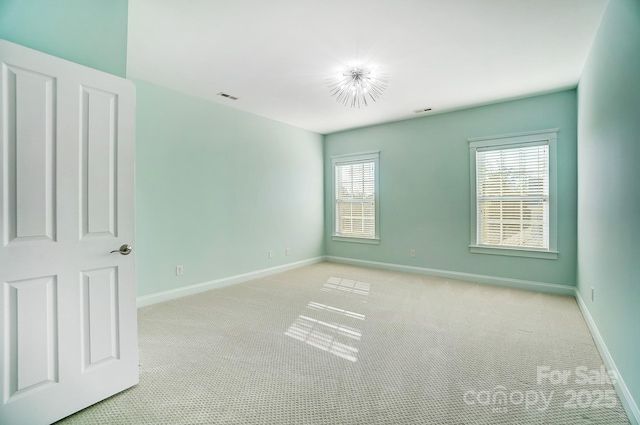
629	404
513	252
360	156
551	288
184	291
336	160
525	136
550	136
506	144
371	241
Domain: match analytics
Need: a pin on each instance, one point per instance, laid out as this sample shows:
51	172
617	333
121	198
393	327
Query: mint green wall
425	195
217	188
609	186
88	32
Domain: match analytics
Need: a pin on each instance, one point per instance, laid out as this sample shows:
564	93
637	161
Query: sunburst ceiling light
357	84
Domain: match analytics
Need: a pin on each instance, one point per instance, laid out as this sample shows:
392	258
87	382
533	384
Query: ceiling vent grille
228	96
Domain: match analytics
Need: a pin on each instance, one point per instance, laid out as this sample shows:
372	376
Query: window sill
337	238
513	252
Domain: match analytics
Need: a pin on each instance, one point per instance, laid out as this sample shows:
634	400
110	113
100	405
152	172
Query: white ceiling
276	55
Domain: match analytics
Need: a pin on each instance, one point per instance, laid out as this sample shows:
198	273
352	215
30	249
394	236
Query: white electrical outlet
179	270
593	294
412	253
287	252
270	254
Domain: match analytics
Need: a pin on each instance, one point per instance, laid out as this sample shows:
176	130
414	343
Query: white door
68	314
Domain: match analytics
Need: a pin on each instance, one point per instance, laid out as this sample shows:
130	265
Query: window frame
336	160
515	140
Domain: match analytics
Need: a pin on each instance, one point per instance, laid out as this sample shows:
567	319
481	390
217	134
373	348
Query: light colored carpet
335	344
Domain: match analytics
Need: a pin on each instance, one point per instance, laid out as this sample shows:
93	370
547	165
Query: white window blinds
512	196
355	198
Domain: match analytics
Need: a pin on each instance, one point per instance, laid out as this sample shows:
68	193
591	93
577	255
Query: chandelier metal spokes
356	85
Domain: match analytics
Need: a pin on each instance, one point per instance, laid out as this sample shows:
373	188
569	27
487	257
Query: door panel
33	334
69	331
101	331
99	149
31	144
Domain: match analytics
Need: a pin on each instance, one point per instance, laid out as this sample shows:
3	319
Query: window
513	194
356	197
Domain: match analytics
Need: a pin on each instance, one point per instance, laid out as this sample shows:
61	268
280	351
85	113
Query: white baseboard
626	399
469	277
159	297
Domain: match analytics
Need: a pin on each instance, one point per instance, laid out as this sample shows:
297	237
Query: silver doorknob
124	250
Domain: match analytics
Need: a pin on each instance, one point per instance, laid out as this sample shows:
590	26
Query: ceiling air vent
419	111
223	94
